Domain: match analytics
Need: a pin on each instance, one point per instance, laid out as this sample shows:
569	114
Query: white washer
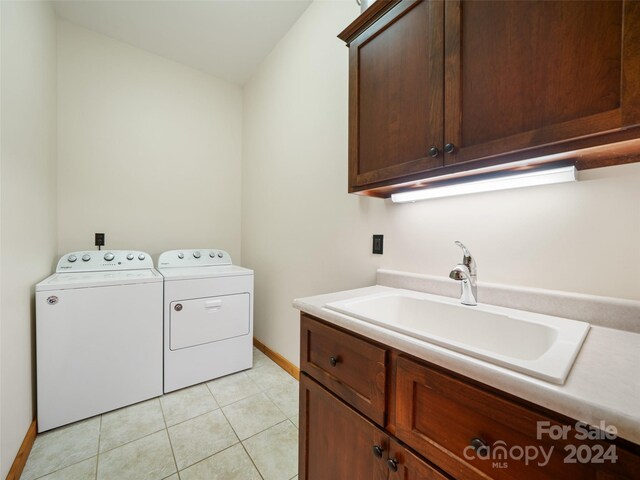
208	316
98	335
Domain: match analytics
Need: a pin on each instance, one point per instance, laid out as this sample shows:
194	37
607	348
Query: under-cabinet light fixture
504	182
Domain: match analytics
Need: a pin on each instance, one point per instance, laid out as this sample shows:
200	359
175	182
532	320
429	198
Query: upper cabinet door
396	94
526	74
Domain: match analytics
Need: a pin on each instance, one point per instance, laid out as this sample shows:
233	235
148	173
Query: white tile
85	470
187	403
62	447
295	420
286	398
270	376
200	438
130	423
149	458
252	415
275	451
232	388
230	464
260	359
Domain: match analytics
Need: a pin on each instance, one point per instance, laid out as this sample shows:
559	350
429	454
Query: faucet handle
468	260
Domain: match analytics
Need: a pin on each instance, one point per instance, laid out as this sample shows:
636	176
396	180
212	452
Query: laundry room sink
542	346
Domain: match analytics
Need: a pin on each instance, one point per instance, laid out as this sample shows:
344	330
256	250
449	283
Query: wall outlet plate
99	239
377	244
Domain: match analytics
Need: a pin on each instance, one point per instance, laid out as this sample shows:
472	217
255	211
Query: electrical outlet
377	244
99	239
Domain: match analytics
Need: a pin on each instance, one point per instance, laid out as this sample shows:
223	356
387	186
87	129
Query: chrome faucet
466	273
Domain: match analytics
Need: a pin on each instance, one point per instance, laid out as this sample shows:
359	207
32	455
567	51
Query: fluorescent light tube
518	180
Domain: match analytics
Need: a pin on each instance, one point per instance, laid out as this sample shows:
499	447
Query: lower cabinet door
473	434
404	465
336	442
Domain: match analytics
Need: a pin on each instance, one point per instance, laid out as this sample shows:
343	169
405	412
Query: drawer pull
377	451
333	361
392	463
479	445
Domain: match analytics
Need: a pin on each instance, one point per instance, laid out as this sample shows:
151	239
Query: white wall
149	150
301	232
27	202
305	235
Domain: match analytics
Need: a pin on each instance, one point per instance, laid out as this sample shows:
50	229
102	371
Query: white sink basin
539	345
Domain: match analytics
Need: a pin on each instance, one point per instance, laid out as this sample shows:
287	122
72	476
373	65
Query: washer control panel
104	260
198	257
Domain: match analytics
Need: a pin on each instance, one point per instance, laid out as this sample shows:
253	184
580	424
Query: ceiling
226	38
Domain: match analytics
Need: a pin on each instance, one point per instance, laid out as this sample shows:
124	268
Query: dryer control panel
103	261
200	257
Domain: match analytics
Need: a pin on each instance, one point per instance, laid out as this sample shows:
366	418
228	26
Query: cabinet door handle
449	148
479	445
377	451
333	361
434	152
392	463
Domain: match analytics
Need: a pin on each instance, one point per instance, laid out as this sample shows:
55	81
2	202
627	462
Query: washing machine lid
62	281
186	273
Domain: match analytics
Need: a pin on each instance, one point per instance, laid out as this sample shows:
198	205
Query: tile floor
243	426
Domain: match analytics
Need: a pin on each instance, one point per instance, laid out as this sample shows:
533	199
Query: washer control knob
212	254
196	254
86	257
142	256
72	258
181	255
219	254
109	256
129	256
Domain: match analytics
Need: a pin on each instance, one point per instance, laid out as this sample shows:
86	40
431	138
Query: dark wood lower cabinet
353	368
432	424
442	416
404	465
338	443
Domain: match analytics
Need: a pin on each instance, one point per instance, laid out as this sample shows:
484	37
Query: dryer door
205	320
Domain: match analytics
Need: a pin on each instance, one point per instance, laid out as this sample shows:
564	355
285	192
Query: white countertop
603	385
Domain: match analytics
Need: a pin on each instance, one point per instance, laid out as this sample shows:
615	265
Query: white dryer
98	335
208	316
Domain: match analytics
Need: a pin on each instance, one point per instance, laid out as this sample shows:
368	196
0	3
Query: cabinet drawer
350	367
440	416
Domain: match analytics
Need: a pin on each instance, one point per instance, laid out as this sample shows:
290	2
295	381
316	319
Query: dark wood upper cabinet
525	74
396	94
487	83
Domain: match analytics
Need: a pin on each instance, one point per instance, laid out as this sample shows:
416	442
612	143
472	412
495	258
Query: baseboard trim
286	365
21	458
